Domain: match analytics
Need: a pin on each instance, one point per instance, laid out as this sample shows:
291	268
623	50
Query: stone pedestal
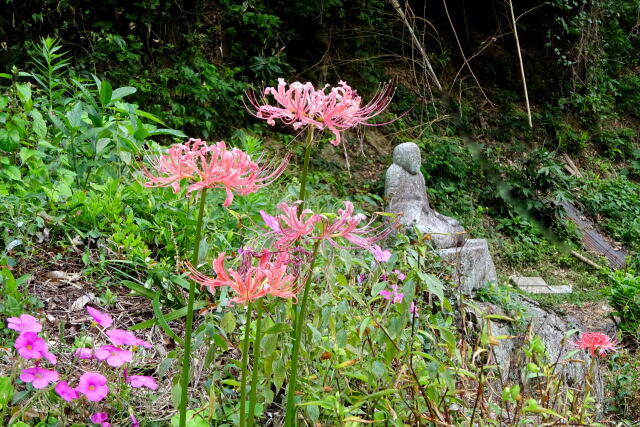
472	263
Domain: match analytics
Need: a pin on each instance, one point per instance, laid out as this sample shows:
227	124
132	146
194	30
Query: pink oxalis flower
100	418
210	166
93	386
596	342
122	337
100	318
38	377
84	353
30	346
114	356
137	381
65	391
24	323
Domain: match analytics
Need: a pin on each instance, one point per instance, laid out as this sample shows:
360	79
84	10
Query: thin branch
524	80
466	62
416	42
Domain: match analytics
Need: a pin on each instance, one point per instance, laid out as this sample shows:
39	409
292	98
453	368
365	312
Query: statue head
407	156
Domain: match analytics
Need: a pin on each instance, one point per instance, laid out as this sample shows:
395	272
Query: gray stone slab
537	285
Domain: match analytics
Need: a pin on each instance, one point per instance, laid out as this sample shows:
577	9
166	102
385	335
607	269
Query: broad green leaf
12	172
39	125
105	93
102	144
434	285
24	92
4	101
228	322
121	92
172	132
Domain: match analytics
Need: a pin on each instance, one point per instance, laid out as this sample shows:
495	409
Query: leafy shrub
624	297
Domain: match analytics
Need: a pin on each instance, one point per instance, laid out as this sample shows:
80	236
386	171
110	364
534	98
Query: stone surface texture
472	263
552	328
406	195
537	285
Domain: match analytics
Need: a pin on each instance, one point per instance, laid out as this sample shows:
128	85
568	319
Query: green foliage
624	297
617	201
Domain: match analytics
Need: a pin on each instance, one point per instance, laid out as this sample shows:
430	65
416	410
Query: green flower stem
245	361
186	358
297	338
256	363
587	387
305	168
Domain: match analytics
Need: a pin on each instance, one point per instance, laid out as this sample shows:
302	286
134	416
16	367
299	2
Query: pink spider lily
24	323
290	226
93	386
596	342
347	226
137	381
251	282
297	105
38	377
65	391
122	337
301	105
211	166
379	254
342	108
30	346
114	356
99	317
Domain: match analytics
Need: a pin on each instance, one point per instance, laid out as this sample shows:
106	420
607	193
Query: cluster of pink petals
100	418
99	317
93	386
596	342
122	337
24	323
210	166
137	381
290	226
392	295
269	277
38	377
413	309
65	391
114	356
299	105
31	346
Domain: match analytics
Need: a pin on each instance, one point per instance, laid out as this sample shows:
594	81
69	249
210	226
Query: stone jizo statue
406	196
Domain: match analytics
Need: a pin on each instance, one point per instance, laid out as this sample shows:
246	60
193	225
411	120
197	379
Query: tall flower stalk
186	357
205	166
295	351
275	274
256	363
